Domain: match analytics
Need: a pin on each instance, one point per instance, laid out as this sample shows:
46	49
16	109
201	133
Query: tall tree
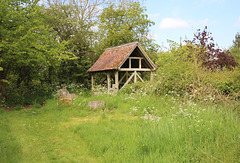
27	45
236	42
208	54
124	23
75	22
235	49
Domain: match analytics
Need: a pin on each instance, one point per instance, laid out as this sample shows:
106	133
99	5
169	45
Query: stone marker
64	93
96	104
64	96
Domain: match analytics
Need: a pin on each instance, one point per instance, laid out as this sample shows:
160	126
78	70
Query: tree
210	56
27	45
74	21
123	23
235	49
236	42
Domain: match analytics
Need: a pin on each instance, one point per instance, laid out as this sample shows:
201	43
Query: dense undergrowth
131	128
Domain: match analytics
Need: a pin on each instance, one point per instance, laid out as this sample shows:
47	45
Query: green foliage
36	105
140	88
181	72
18	107
26	40
125	23
236	42
43	47
1	69
74	23
236	54
226	87
14	99
175	73
27	45
227	82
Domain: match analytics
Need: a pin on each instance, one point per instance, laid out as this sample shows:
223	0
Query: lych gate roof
114	57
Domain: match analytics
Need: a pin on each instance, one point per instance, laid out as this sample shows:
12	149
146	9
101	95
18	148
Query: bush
227	87
27	99
175	74
18	107
137	88
14	99
183	75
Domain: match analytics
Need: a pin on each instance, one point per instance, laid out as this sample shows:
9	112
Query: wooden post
130	63
108	81
92	80
135	76
151	76
116	80
140	63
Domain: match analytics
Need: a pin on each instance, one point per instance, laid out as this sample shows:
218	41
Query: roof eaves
148	58
100	70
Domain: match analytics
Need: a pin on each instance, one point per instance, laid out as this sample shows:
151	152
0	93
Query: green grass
129	129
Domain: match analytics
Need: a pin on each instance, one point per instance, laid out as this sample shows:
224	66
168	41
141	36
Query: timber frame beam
135	75
116	86
135	69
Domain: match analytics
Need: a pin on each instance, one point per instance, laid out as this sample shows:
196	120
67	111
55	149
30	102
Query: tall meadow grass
164	130
132	127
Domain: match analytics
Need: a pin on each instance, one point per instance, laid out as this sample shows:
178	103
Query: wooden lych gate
127	62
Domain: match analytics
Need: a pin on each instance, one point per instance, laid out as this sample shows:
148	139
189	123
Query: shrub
226	87
14	99
27	99
18	107
183	75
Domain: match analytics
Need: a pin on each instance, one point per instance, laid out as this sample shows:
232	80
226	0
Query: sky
181	18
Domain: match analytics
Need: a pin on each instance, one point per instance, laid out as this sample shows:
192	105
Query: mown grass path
40	139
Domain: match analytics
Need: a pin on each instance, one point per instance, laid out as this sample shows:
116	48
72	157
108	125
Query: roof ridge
122	45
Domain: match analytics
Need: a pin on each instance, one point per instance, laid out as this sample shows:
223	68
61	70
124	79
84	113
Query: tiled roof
112	58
